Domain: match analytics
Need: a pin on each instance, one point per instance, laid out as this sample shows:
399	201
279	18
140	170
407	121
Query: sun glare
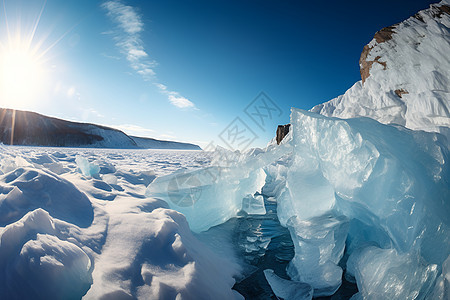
22	76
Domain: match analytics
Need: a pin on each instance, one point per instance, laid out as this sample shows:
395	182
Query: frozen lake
325	209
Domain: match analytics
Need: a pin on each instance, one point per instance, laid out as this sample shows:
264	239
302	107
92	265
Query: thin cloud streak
128	39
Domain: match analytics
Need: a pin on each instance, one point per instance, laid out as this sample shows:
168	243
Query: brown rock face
282	131
400	92
385	35
381	36
438	11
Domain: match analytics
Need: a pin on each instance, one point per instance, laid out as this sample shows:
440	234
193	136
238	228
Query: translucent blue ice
380	192
87	169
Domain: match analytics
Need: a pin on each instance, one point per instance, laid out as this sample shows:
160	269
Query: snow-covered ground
77	222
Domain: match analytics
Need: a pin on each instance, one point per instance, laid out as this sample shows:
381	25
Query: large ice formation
211	196
349	184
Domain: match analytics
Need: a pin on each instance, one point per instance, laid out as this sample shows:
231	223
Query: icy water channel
263	243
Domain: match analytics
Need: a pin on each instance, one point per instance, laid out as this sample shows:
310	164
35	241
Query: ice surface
254	205
213	195
319	245
287	289
442	287
87	169
386	274
337	182
207	197
391	180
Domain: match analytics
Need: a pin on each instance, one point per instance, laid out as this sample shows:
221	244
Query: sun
22	76
23	71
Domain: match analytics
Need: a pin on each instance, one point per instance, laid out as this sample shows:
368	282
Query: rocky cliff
405	75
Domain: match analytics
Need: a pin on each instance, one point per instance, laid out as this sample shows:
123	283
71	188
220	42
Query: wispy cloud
174	97
128	39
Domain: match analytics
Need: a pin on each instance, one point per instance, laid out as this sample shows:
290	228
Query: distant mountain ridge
33	129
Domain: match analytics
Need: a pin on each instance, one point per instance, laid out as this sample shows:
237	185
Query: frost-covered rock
405	73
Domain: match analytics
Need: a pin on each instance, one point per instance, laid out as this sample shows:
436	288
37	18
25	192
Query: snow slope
405	72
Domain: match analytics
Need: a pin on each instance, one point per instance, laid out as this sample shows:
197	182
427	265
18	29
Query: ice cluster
212	195
87	168
378	193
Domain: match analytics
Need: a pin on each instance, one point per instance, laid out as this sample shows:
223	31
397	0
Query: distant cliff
149	143
33	129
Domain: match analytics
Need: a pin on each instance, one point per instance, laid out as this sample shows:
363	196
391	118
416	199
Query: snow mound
37	264
157	257
62	240
26	189
405	73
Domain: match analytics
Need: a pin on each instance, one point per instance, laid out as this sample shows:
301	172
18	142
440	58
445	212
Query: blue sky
186	70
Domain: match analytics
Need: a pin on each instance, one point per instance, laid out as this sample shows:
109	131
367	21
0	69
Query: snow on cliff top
405	73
